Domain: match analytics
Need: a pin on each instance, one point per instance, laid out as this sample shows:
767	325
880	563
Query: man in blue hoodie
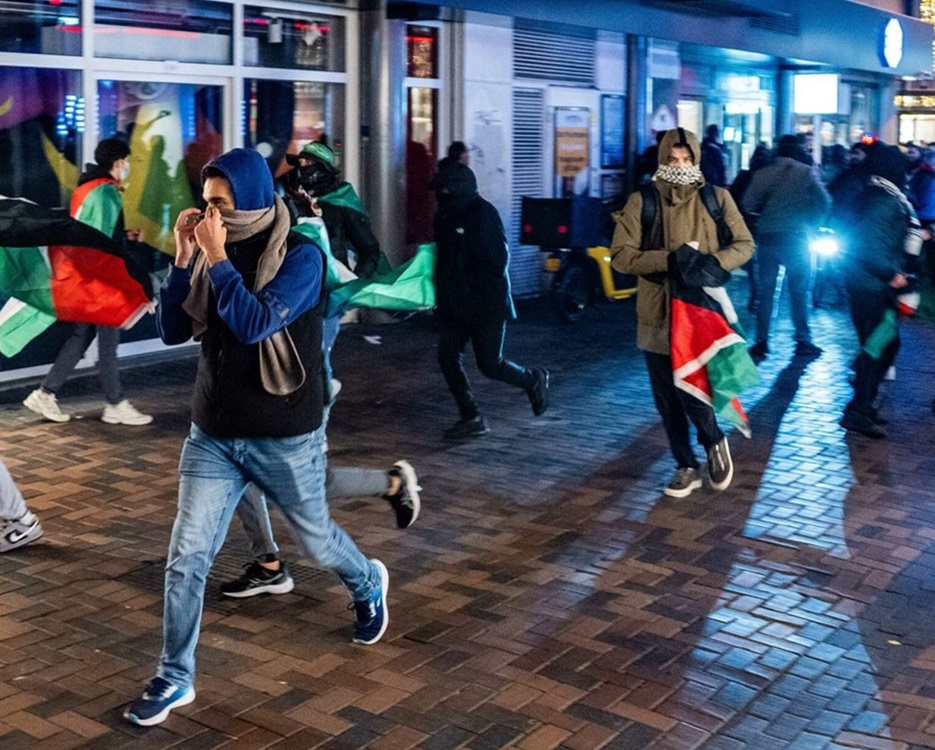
251	291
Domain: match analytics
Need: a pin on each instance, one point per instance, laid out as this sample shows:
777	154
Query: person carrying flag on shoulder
682	225
97	203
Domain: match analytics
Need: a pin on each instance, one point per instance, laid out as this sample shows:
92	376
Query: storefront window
184	30
52	28
282	116
277	39
422	51
41	127
173	130
421	154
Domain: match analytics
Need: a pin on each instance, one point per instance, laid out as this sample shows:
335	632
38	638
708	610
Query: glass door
173	129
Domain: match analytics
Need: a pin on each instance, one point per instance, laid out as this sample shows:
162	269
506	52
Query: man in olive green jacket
684	221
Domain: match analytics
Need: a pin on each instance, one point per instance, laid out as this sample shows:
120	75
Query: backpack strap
725	237
650	218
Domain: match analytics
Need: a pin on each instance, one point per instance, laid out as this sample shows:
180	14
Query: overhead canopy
842	34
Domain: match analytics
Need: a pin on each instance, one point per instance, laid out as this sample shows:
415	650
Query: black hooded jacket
471	277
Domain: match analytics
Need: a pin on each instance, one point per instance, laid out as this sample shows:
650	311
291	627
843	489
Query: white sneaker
45	405
17	532
124	413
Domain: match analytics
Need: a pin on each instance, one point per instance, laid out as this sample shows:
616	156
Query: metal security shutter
528	135
548	56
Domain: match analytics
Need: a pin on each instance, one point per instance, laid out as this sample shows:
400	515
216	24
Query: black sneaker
759	351
258	580
807	349
405	500
720	466
686	480
539	393
467	429
854	421
372	614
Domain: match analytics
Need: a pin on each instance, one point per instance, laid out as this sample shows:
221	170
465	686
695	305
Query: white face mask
125	172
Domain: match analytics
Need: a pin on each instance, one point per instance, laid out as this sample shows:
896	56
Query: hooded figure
684	227
253	297
315	188
883	248
472	296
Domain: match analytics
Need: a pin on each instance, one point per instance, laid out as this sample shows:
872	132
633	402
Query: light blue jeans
213	473
340	482
11	499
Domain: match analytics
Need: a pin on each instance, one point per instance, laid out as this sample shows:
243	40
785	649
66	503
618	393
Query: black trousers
676	407
486	337
867	310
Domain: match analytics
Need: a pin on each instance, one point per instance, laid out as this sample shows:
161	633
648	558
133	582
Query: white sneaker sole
131	422
384	585
411	481
182	700
695	485
723	485
277	588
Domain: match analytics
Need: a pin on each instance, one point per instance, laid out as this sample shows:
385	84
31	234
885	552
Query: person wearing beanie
789	203
683	224
472	297
883	251
96	202
251	291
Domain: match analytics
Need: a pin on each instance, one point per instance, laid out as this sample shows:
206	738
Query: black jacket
229	399
875	244
471	276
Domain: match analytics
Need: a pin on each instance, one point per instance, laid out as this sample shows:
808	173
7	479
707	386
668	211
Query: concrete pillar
637	139
383	128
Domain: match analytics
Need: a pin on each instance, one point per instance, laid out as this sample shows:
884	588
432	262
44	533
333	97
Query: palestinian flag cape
409	286
709	354
54	267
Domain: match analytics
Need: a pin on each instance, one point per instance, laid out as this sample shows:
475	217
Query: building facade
552	98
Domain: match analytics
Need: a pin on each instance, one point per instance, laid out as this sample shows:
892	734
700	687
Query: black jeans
486	337
867	311
676	407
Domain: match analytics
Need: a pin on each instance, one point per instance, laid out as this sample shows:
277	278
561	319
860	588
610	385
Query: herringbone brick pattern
548	597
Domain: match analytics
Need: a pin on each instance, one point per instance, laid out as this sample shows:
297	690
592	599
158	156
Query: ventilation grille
547	56
528	156
784	23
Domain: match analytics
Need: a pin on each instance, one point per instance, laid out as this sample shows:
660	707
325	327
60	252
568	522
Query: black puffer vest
229	400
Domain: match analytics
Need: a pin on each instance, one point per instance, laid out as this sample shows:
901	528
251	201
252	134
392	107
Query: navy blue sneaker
158	699
372	615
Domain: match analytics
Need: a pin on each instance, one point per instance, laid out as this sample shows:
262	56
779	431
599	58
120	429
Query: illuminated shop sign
891	44
815	93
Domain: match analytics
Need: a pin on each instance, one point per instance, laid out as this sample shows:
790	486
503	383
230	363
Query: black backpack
651	217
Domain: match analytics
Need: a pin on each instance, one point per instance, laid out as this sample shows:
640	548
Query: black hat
109	151
454	179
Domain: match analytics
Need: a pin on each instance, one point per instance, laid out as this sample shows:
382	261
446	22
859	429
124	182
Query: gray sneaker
18	532
720	466
686	480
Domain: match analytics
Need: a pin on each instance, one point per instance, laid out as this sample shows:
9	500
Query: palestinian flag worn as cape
54	267
709	354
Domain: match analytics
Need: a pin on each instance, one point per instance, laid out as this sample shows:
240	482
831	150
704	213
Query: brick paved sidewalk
548	596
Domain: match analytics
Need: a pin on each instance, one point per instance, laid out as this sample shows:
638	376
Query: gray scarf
281	369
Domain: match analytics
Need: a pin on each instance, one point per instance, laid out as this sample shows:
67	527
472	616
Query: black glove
693	268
